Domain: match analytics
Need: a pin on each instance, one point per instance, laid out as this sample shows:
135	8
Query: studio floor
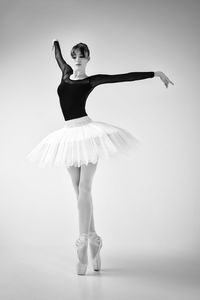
40	273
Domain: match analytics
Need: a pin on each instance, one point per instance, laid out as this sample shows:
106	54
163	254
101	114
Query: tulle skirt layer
82	141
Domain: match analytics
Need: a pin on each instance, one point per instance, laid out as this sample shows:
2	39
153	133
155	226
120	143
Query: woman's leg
85	205
75	177
82	182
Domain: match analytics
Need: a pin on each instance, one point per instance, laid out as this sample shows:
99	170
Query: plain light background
152	198
147	203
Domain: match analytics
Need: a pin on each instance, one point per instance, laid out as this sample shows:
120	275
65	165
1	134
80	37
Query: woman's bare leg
82	182
75	177
85	205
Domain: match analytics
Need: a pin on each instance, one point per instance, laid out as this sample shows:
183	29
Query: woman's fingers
169	81
166	80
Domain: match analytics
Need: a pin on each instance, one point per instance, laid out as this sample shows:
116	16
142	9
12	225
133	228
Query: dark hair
83	48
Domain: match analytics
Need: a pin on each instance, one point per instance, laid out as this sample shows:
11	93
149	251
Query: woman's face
80	61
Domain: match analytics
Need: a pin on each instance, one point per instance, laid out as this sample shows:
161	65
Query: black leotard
73	93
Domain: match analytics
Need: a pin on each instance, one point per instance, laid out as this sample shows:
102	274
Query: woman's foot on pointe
82	245
96	243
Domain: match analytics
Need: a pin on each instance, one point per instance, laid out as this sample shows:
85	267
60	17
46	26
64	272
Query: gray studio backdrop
149	201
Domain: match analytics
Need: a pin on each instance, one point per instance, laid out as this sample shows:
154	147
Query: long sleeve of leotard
61	62
131	76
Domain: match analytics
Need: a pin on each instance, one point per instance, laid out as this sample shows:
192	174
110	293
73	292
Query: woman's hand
164	78
53	44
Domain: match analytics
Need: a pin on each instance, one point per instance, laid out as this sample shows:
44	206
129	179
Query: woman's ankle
92	233
84	234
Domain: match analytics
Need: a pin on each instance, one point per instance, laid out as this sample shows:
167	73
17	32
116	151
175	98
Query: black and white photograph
99	150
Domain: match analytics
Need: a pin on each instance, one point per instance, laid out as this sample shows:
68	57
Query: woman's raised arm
58	55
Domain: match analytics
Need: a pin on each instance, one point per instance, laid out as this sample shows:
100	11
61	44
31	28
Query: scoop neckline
77	79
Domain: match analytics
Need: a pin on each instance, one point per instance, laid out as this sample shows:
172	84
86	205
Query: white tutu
81	141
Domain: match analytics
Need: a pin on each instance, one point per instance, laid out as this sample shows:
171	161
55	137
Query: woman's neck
79	74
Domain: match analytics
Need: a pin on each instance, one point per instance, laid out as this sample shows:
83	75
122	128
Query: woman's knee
84	187
75	176
84	195
86	177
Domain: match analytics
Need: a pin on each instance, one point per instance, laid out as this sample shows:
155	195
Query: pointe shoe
82	245
96	243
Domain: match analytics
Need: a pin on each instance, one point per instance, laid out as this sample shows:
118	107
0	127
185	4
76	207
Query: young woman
82	141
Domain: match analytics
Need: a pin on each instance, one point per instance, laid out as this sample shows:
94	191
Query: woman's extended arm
61	62
131	76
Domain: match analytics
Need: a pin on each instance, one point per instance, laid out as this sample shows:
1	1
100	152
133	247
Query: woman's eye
80	57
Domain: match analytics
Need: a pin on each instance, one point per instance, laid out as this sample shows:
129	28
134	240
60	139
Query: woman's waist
78	121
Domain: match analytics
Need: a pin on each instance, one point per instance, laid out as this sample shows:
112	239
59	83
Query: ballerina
83	141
